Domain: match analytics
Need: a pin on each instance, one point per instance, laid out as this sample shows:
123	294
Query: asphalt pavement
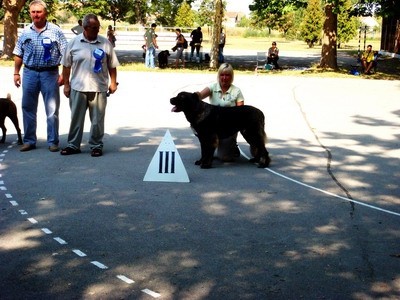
321	223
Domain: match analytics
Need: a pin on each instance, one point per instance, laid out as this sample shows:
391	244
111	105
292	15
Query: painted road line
14	203
23	212
79	253
126	279
326	192
151	293
32	220
60	240
46	231
99	264
3	188
8	196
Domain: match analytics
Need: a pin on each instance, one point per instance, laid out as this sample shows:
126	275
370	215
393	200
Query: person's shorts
179	53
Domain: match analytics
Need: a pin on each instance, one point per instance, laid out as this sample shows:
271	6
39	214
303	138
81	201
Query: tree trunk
12	8
216	31
329	39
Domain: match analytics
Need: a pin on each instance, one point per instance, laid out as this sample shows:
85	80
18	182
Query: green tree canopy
185	16
311	27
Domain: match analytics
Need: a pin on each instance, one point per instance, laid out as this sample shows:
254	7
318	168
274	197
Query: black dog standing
163	59
8	109
213	122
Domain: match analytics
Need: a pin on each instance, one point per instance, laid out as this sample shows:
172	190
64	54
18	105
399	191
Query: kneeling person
224	93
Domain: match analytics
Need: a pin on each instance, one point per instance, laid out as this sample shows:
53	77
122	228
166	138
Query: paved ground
321	223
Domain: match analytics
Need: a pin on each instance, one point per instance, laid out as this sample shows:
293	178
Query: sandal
69	150
96	152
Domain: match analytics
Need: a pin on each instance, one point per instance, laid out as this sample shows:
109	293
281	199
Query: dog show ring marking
166	165
326	192
64	243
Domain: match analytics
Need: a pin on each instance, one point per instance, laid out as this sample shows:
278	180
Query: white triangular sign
166	164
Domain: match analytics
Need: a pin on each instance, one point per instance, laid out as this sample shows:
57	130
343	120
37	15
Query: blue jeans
150	55
34	83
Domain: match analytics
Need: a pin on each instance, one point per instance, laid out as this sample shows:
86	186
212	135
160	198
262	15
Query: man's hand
67	90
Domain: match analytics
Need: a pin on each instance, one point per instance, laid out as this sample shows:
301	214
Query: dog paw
264	162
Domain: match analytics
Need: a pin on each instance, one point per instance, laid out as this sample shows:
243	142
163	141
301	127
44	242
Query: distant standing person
180	39
90	71
197	39
150	39
221	45
273	56
78	29
40	48
111	35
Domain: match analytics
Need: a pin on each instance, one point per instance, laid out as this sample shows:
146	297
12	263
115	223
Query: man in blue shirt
39	49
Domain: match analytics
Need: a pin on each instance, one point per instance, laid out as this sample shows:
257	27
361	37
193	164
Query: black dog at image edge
8	109
211	123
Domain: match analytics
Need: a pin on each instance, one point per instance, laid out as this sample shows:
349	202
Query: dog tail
8	96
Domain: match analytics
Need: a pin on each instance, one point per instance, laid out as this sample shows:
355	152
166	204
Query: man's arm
66	72
113	84
17	68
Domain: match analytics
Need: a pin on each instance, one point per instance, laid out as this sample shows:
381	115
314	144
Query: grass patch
388	67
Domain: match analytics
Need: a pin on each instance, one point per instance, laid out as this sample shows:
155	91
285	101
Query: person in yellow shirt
367	60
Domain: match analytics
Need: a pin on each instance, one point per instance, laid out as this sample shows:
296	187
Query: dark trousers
273	60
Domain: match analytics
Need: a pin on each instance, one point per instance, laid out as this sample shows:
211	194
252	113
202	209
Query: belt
42	69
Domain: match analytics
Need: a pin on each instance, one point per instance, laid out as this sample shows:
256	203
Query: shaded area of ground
388	67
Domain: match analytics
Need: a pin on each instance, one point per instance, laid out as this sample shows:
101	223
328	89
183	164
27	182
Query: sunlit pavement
322	222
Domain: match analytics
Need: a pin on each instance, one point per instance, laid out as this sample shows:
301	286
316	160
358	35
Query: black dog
8	109
163	59
211	123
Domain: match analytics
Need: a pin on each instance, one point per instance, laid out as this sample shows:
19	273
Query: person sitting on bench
368	60
273	56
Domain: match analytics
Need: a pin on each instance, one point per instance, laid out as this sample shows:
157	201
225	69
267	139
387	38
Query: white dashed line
32	220
8	196
79	253
125	279
47	231
151	293
60	240
99	265
23	212
14	203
